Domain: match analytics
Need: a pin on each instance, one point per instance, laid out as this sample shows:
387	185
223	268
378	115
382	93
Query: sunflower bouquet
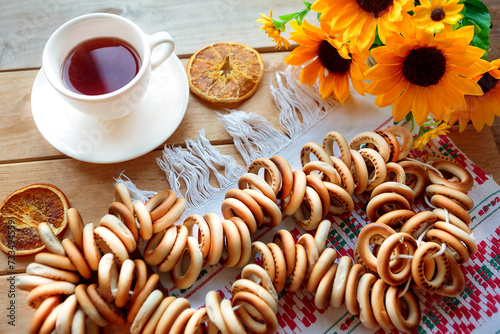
429	57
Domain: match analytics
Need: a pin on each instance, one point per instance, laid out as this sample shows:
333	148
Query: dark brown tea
100	66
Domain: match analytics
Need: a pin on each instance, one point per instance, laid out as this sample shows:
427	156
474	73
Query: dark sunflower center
331	59
424	66
487	82
376	7
438	14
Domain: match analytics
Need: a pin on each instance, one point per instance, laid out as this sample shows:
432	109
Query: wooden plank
25	26
21	140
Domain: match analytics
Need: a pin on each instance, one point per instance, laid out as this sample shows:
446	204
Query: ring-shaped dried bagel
397	171
55	260
311	248
311	206
126	216
160	204
325	260
339	286
455	282
75	223
248	285
159	246
232	207
454	246
111	241
29	282
177	250
65	317
325	170
90	250
461	198
146	311
286	176
345	175
272	174
272	213
379	173
406	139
369	137
452	219
322	191
323	291
465	183
404	319
366	316
458	233
387	249
43	311
110	312
393	144
203	235
249	202
122	195
315	149
197	319
420	222
382	200
135	306
168	219
359	172
252	181
216	238
153	320
284	239
321	234
292	203
43	270
107	277
76	257
234	324
269	322
171	313
299	268
279	265
424	251
333	137
377	301
443	202
340	201
144	220
394	187
365	238
267	259
212	304
246	241
231	250
419	175
395	218
431	157
351	289
49	239
115	225
258	274
141	277
181	321
49	324
124	283
88	306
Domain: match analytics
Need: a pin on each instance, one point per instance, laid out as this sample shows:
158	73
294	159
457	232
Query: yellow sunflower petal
301	55
403	104
388	98
310	73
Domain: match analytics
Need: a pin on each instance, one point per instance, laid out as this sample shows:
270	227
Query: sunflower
334	62
481	110
421	72
268	25
434	133
433	16
358	20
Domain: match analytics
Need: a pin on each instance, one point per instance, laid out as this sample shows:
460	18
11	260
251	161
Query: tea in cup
101	63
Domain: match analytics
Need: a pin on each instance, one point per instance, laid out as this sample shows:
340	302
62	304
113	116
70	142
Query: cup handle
165	45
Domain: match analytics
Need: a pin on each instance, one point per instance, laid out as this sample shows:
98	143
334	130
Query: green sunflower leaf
287	17
477	14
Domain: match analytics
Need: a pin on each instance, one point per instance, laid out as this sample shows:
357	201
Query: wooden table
26	158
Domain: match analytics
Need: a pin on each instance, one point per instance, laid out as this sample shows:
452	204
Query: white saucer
88	139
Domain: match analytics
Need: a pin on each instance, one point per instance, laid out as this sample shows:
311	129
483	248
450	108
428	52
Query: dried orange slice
23	210
225	72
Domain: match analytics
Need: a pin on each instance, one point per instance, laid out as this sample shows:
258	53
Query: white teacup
120	102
